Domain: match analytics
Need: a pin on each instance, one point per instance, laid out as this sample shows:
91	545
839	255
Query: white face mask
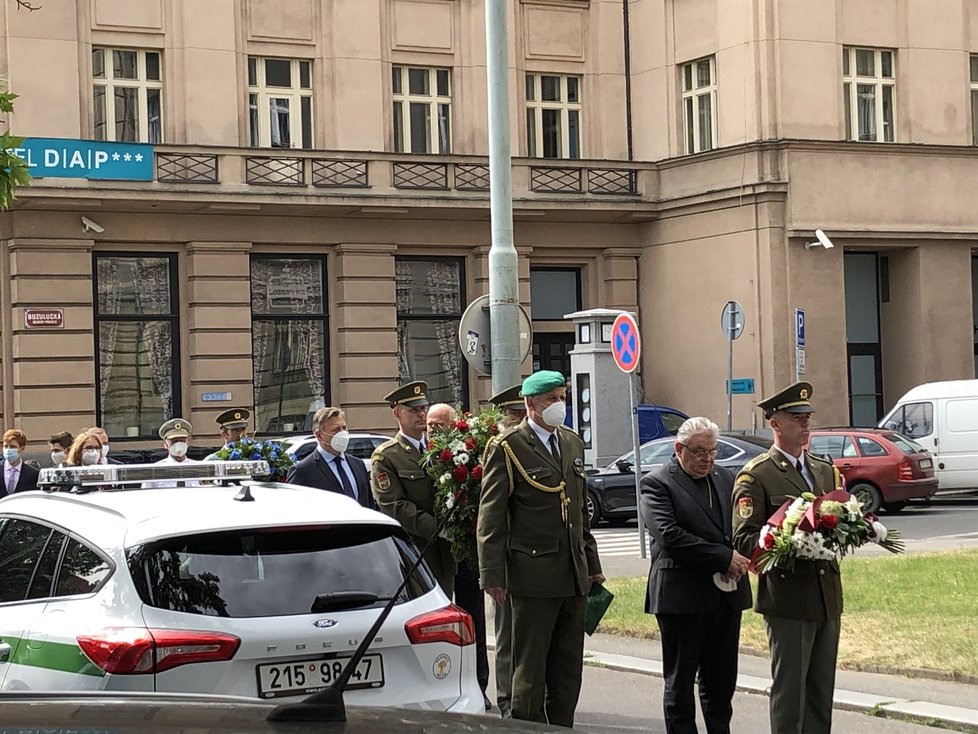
91	456
555	413
58	457
178	449
339	441
105	450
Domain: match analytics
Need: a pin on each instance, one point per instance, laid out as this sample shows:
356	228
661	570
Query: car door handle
4	652
847	466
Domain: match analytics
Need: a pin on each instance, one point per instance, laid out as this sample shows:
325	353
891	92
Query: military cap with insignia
175	427
543	382
511	398
234	418
411	395
793	399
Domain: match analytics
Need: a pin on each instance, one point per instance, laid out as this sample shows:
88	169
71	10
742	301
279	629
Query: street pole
637	465
731	330
503	261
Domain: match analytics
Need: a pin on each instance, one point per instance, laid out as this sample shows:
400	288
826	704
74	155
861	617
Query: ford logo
325	624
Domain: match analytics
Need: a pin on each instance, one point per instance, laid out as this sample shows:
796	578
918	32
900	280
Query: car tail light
450	624
905	469
134	650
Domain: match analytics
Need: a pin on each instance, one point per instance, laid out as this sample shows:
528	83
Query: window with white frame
699	105
553	116
280	102
422	110
868	92
127	95
974	100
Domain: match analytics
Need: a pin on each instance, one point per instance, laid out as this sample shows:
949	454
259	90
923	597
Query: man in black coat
329	467
698	585
17	476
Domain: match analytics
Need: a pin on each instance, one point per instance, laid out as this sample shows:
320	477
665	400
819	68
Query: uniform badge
784	464
745	508
744	479
383	480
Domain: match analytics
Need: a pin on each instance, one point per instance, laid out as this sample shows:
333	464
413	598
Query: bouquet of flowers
248	449
819	528
454	461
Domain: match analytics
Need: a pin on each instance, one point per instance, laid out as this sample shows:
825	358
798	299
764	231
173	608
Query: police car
225	585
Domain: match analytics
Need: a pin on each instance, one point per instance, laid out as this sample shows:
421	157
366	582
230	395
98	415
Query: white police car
240	587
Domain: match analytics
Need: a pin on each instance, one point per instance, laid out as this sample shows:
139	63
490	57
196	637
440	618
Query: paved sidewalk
934	702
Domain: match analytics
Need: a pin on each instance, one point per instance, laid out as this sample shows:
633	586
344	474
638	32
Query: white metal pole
731	330
637	465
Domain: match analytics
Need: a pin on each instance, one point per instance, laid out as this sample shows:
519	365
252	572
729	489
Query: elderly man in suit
328	467
536	549
698	586
17	476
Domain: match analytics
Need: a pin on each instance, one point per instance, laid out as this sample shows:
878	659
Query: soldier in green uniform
403	489
233	425
510	403
801	607
536	550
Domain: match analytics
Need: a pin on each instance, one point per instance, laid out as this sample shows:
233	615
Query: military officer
801	607
536	550
176	440
233	425
403	489
510	403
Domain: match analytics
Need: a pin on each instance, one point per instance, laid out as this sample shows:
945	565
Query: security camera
823	241
88	224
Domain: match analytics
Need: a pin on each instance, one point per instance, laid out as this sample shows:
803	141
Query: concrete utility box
602	411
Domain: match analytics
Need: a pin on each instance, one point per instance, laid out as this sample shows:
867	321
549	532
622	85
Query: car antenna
327	705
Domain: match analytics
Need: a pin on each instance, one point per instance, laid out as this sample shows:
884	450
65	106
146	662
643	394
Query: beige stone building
315	214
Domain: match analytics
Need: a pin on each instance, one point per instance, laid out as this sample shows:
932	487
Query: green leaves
13	168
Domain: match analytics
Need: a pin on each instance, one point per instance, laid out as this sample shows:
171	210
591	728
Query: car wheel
894	506
869	497
593	510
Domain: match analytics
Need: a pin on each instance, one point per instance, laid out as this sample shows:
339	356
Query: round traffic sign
626	345
732	320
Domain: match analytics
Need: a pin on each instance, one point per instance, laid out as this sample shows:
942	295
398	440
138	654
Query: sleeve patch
383	480
745	508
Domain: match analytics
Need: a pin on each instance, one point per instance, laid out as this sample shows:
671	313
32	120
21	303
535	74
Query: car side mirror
625	467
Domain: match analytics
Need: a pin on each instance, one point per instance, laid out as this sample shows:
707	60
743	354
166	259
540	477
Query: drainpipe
628	79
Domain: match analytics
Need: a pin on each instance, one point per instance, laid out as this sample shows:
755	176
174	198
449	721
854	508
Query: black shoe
487	702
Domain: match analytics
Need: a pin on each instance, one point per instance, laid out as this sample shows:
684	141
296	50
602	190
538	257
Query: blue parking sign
799	327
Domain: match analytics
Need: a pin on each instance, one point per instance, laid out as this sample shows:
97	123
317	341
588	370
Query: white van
943	418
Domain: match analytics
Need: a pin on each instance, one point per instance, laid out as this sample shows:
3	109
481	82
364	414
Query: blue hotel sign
91	159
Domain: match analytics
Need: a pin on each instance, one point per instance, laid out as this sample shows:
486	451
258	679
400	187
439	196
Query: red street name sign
44	318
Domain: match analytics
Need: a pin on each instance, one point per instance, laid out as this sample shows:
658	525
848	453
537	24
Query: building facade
316	217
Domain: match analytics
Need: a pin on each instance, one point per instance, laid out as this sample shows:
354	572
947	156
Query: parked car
611	490
240	587
362	445
656	421
943	418
882	468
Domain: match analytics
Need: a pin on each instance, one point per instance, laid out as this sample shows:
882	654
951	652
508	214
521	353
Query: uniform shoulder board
378	452
753	463
506	433
570	433
819	457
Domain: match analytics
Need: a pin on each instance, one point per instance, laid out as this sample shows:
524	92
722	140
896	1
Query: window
832	446
288	311
422	110
21	545
914	420
868	86
137	343
974	99
280	102
869	447
554	293
429	299
553	116
82	570
127	95
699	105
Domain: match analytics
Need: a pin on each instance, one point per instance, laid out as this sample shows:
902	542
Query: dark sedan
611	490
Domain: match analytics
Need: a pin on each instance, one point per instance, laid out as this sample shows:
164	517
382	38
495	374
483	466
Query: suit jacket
525	543
26	480
315	471
690	542
813	590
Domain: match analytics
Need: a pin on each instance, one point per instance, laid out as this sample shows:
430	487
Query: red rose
494	429
460	473
477	473
471	444
828	522
462	426
445	456
769	541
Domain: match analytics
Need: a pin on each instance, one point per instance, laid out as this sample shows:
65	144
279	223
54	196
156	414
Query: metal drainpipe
628	79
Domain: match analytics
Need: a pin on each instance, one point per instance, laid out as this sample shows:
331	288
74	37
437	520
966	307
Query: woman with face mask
86	450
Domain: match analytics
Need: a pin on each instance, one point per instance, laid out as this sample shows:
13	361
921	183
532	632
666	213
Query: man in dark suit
329	467
802	607
698	586
17	475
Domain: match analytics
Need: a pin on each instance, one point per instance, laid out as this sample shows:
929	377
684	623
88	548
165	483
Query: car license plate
926	463
295	677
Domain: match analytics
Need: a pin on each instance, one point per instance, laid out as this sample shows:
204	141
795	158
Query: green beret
541	382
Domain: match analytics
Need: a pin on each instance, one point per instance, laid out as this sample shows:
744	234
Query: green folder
598	601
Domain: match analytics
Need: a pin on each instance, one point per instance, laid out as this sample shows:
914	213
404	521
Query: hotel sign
44	318
91	159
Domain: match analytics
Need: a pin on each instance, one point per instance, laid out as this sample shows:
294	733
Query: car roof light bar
136	474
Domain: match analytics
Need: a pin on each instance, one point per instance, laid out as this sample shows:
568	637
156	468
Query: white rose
765	531
880	531
449	500
462	458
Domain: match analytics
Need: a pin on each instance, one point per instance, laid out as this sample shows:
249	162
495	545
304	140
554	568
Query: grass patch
912	612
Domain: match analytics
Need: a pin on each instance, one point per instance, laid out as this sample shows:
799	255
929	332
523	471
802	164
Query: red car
882	468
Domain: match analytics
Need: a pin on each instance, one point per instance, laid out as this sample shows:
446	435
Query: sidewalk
934	702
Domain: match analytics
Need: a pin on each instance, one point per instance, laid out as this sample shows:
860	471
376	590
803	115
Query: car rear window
276	571
907	445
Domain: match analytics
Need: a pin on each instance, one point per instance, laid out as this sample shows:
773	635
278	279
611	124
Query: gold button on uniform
821	572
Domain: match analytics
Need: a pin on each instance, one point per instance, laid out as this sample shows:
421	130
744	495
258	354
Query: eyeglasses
702	453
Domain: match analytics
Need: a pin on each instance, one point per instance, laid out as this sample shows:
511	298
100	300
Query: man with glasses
801	606
698	584
403	489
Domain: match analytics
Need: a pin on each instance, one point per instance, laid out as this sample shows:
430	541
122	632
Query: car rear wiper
340	600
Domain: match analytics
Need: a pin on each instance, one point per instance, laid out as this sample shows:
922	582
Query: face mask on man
91	456
58	457
11	453
178	449
339	441
555	413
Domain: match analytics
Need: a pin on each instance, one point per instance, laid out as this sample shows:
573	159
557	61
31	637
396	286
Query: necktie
12	481
553	446
423	444
801	470
344	479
